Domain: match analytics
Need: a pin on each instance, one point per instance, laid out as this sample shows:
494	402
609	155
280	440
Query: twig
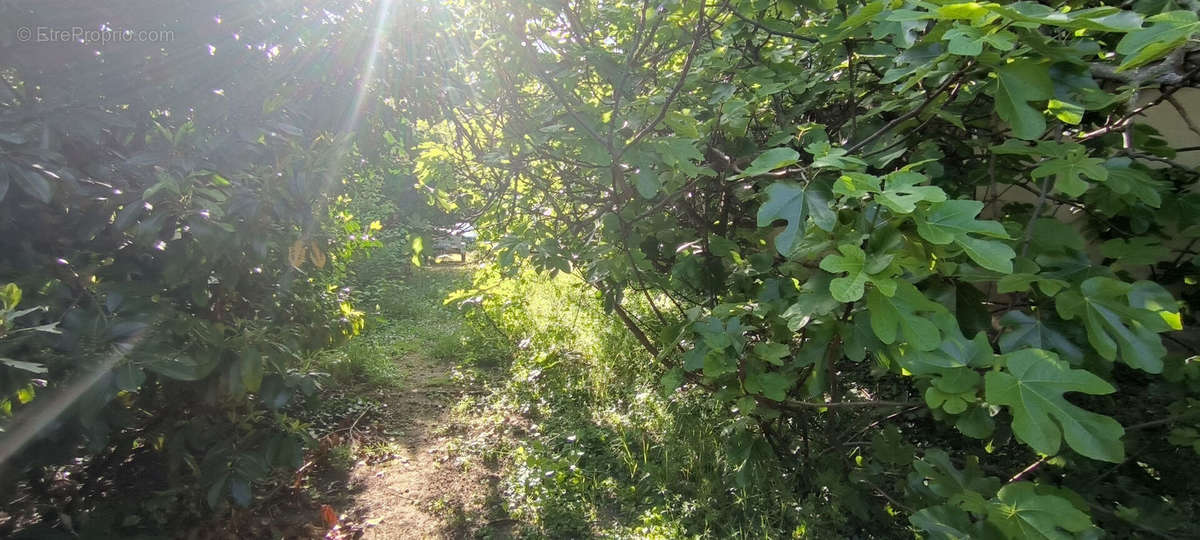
1162	73
760	26
1028	469
687	67
853	404
889	498
1162	421
900	119
1120	124
1037	211
350	429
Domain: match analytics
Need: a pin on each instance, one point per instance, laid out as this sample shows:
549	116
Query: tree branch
900	119
760	26
687	67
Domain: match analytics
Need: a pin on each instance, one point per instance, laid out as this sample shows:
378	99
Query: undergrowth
604	451
407	318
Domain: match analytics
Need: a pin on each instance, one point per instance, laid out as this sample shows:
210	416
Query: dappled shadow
409	475
412	480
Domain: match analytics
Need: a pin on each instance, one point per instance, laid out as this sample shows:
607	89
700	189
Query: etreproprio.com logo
79	34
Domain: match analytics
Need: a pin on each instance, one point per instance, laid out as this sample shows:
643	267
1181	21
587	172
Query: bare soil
430	485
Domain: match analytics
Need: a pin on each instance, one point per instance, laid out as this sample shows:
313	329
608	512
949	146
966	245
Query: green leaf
183	368
1169	31
828	157
1116	329
417	245
946	222
251	369
775	158
935	398
969	40
785	200
901	192
853	261
1138	251
817	197
723	247
814	301
1104	19
957	381
239	489
1025	332
976	423
953	353
25	366
856	184
954	221
672	380
694	358
1019	512
862	15
971	11
772	353
712	331
1032	384
900	315
33	184
1152	297
943	522
1075	91
888	446
1053	236
1127	177
717	363
684	125
10	297
996	256
215	490
1017	84
1068	170
678	152
769	384
647	183
937	472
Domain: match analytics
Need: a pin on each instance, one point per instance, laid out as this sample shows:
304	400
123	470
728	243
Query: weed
342	457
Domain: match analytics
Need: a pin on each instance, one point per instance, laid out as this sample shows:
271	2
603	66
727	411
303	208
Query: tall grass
407	323
607	452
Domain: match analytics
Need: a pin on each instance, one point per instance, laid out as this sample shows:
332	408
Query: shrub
815	203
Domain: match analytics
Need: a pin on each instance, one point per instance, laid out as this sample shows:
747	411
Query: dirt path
423	488
415	474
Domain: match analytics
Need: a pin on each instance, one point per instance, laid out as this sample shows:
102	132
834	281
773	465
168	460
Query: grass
405	319
591	446
390	393
605	452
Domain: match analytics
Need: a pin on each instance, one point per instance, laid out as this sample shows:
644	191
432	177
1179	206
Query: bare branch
1162	73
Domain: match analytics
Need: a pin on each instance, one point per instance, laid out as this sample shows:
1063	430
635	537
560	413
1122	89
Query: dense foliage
178	212
922	262
924	251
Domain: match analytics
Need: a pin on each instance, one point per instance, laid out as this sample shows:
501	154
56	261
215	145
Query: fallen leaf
328	515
